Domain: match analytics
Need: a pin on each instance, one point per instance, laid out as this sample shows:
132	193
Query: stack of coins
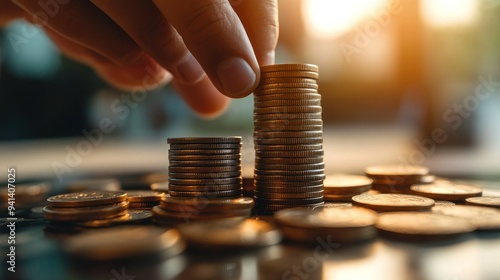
288	136
398	178
204	167
86	206
179	210
143	199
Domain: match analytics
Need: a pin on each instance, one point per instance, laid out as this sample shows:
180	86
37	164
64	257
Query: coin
421	226
288	103
393	202
288	110
280	80
484	218
208	181
286	94
280	187
287	74
287	116
231	234
291	167
336	205
443	203
297	122
204	169
270	208
202	163
188	217
208	205
288	154
124	242
205	140
209	194
131	216
204	152
291	128
281	161
143	205
341	184
338	224
94	212
289	201
490	201
204	146
212	175
203	157
89	198
289	178
282	172
287	195
204	188
289	67
94	185
144	196
452	192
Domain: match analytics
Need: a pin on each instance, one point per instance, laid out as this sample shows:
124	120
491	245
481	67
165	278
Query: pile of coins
143	199
179	210
288	137
397	178
204	167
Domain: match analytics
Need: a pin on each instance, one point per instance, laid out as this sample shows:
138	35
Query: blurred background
402	81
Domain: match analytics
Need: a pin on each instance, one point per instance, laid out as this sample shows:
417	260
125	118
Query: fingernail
189	70
236	76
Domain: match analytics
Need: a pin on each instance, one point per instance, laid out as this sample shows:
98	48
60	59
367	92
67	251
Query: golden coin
443	203
490	201
144	196
89	198
289	67
231	234
340	224
484	218
452	192
279	80
86	213
208	205
291	73
336	205
393	202
205	140
421	226
124	242
131	216
339	184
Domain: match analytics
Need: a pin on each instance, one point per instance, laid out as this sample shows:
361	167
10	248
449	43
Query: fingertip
237	78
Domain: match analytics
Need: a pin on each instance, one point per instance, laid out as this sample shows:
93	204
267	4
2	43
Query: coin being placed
421	226
451	192
489	201
231	234
338	184
131	216
393	202
338	224
484	218
81	199
124	242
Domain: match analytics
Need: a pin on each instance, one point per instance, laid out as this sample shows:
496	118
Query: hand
143	44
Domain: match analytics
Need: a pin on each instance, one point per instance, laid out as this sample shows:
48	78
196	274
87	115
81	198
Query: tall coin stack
288	136
205	167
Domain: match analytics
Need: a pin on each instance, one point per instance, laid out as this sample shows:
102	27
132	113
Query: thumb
214	34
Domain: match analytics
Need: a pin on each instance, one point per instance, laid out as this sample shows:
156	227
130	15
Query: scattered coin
421	226
90	198
393	202
231	234
85	213
451	192
342	225
490	201
341	184
484	218
124	242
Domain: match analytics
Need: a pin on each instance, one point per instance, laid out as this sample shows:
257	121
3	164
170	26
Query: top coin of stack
288	137
205	166
397	178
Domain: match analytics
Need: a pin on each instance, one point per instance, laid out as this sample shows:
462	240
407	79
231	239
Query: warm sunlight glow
449	13
331	18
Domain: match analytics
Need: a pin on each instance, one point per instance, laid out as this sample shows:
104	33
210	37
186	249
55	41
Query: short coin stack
205	167
86	206
397	178
143	199
288	136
